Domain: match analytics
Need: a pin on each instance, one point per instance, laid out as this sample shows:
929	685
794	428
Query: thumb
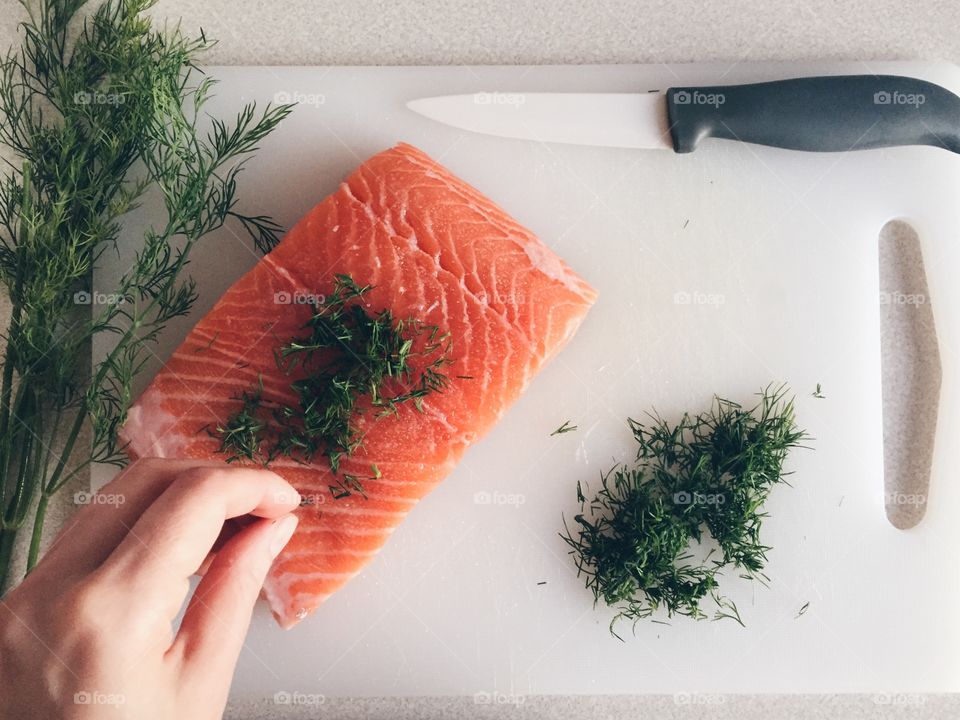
218	616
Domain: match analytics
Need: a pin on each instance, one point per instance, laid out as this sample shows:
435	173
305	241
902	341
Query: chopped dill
659	532
818	393
349	360
803	609
241	434
565	428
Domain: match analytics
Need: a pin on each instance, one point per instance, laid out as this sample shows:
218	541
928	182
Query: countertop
618	31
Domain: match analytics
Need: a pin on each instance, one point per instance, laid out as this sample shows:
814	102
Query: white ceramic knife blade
629	120
835	113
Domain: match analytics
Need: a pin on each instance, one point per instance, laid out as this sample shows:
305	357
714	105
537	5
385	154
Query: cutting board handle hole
911	374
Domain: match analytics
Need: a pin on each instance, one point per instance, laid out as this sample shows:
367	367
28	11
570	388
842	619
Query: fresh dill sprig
349	359
565	428
658	533
818	393
99	109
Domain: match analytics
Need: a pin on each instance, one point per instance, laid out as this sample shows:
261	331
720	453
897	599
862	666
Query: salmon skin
432	248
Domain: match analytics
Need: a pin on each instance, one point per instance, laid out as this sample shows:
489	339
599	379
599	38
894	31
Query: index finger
107	515
171	539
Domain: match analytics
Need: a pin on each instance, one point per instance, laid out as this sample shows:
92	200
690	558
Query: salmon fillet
433	248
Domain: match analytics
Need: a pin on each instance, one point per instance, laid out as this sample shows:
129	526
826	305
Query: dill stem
15	511
22	495
51	485
34	552
52	438
35	472
5	397
71	475
9	360
8	536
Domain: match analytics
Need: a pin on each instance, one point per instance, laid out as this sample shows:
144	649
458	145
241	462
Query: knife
819	114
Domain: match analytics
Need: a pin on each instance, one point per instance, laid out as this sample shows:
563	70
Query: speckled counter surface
583	31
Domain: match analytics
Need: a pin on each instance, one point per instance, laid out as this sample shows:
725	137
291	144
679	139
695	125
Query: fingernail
282	532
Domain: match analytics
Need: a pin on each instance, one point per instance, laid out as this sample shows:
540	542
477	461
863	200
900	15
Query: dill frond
99	108
699	483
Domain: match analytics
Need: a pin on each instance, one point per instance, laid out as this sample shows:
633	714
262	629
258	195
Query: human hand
88	634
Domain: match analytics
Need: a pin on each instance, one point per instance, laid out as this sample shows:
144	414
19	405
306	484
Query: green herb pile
659	532
348	357
98	110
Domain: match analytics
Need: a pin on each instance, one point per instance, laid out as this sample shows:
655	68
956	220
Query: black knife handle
820	114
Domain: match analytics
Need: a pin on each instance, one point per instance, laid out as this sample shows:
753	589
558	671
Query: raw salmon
433	248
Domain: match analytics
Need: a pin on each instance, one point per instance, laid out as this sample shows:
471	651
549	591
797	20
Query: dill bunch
349	356
98	109
658	533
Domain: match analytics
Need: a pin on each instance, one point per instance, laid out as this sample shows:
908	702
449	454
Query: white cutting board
718	272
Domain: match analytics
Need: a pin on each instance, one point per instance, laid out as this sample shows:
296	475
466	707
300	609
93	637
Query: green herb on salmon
349	357
659	531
